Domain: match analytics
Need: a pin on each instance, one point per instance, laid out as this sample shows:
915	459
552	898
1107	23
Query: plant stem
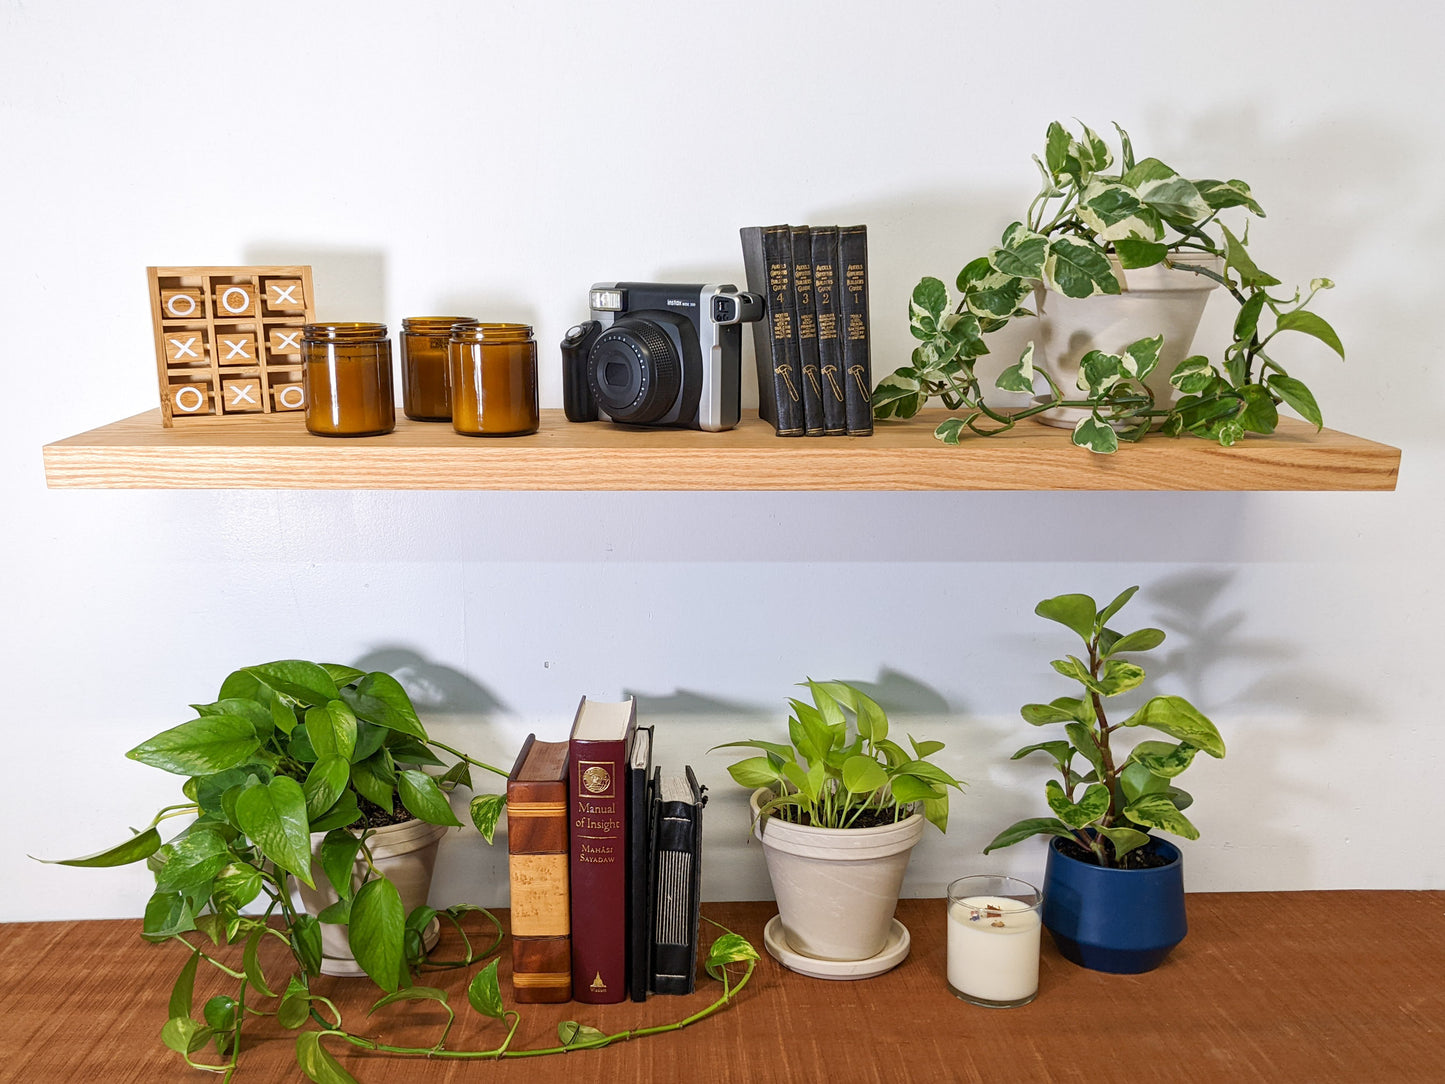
462	756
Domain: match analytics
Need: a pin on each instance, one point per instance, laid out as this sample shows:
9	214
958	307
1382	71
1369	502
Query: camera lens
634	371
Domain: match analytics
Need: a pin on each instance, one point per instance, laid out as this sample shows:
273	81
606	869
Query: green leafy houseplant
1092	205
287	749
831	776
1110	809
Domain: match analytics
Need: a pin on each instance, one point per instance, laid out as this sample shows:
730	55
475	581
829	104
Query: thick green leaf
305	682
863	774
375	778
412	993
380	699
202	746
316	1061
324	783
1097	435
728	948
1193	375
1177	717
1310	323
344	812
1158	811
1120	601
485	992
1221	195
194	861
1019	377
375	934
306	943
338	859
1079	269
251	963
1114	212
184	1035
166	914
1082	736
1237	258
183	992
897	397
996	297
1056	149
1134	253
274	817
1141	356
295	1007
485	811
1246	323
332	730
1163	759
140	846
1022	830
1100	371
575	1036
1294	393
1022	255
1136	780
1124	840
220	1013
342	675
1074	611
1060	750
1119	677
424	799
1089	808
408	750
1042	714
926	307
1142	640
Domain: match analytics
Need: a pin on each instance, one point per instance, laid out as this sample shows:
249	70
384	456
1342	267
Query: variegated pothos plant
1092	205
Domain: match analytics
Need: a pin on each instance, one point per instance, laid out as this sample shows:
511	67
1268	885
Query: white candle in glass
993	949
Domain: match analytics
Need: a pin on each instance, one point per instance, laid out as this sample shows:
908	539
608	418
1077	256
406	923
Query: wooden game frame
228	340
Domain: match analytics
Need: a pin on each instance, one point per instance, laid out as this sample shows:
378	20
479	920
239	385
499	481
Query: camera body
659	354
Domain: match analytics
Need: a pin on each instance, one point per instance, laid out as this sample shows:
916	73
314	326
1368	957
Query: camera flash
607	300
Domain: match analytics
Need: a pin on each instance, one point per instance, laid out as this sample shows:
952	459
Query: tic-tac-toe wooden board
228	340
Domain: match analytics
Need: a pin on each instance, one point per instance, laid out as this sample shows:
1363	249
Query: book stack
605	862
812	346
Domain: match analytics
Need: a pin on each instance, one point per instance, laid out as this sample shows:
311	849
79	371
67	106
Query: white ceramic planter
1157	300
406	853
837	888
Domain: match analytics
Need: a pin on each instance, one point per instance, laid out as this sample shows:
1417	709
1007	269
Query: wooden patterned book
537	863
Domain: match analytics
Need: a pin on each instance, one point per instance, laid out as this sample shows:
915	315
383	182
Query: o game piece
288	396
190	398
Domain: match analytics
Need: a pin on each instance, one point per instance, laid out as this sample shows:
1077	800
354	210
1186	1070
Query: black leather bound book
805	323
639	864
767	262
678	801
830	345
857	363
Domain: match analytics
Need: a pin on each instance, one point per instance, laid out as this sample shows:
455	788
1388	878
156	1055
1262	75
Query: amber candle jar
348	380
425	394
493	370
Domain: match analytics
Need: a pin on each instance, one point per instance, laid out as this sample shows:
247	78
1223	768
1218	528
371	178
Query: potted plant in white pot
838	811
1113	891
1118	255
310	776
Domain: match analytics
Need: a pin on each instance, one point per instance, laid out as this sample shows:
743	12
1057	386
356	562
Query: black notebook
639	864
677	877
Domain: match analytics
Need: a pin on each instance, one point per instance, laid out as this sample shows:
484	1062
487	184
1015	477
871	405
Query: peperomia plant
830	778
286	750
1109	809
1094	208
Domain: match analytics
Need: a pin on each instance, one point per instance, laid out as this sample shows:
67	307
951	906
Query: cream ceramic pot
1158	300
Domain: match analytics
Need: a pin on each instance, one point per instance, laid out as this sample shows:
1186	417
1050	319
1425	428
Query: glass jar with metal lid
493	372
348	379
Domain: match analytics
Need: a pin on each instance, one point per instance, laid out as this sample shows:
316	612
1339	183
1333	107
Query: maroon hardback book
597	807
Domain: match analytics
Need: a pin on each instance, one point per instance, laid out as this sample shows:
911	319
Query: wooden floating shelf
276	452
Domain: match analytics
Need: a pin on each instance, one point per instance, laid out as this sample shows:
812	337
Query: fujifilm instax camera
658	354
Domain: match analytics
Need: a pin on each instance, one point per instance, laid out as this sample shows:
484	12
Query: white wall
500	157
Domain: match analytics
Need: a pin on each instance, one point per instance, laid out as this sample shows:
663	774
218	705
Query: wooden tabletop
1309	986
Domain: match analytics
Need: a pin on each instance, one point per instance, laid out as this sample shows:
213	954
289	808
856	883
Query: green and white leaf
1089	808
1193	375
1114	212
1095	434
1177	717
1019	377
1024	829
1141	356
1079	269
1158	811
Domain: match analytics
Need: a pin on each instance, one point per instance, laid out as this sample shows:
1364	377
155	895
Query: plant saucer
894	952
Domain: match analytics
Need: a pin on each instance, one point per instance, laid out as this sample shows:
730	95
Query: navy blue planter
1120	920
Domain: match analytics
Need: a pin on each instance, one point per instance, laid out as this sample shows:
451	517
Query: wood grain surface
276	452
1309	986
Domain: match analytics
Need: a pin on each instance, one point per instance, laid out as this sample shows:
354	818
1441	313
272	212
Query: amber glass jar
348	380
493	370
424	385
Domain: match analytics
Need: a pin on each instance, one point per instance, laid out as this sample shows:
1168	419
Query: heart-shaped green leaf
273	816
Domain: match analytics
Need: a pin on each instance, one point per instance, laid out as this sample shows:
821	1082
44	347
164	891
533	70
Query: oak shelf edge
275	452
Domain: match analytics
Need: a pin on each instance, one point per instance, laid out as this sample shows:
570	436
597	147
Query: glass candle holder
347	374
993	940
425	387
493	372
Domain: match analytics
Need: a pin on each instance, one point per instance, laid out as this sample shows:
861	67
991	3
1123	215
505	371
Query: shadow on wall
431	686
350	282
